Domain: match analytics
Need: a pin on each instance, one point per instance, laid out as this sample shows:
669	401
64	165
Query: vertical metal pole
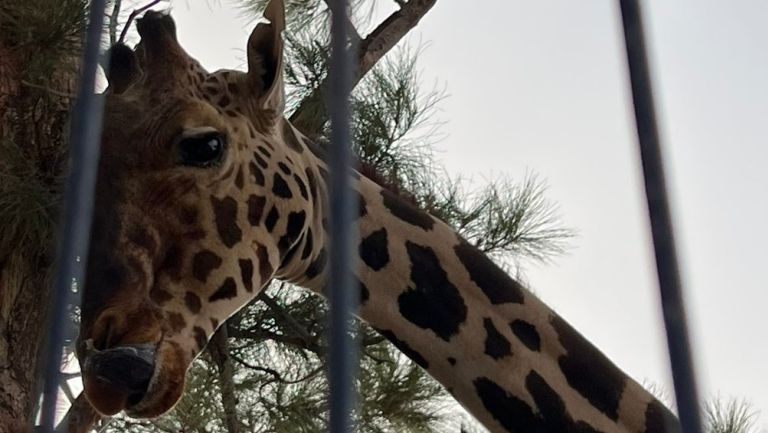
673	306
343	295
78	206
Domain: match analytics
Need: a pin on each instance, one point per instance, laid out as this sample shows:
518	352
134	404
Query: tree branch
49	90
80	417
219	350
114	19
312	114
285	315
276	375
262	335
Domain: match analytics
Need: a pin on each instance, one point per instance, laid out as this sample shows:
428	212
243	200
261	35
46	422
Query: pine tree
730	415
39	54
720	414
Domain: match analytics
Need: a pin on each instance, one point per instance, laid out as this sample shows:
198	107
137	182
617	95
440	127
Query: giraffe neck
503	354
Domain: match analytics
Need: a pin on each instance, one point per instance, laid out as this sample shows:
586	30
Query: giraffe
206	193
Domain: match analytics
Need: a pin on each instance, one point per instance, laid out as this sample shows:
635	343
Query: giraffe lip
165	386
137	404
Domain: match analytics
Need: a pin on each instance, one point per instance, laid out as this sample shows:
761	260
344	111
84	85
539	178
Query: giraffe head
181	238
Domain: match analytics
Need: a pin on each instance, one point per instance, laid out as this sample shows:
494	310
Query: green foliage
47	32
398	396
27	203
394	127
301	14
721	415
39	45
507	219
730	416
282	363
306	65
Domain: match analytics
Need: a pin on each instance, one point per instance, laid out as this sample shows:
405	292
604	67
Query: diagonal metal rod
342	291
670	287
78	207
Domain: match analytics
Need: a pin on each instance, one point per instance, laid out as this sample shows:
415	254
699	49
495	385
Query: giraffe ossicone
206	193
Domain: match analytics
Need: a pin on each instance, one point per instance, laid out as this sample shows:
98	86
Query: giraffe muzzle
119	377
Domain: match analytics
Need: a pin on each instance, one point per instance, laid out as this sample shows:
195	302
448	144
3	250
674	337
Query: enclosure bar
342	291
670	287
72	251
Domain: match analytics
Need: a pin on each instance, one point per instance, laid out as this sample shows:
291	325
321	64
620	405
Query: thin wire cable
343	294
78	208
670	287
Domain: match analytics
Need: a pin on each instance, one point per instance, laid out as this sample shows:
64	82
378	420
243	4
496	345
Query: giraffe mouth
143	380
118	376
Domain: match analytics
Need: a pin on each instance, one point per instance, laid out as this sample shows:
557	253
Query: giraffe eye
201	148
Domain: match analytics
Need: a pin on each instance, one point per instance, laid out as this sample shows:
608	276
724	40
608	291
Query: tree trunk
219	350
80	418
33	125
311	114
21	292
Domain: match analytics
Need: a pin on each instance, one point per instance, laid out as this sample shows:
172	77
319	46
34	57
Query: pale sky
541	86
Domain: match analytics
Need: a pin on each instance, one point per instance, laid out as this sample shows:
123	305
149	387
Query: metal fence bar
670	287
342	291
78	207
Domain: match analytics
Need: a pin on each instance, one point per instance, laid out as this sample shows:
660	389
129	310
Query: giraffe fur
206	193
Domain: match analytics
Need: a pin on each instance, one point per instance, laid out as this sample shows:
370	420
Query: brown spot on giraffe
496	345
255	208
271	220
261	161
256	173
140	237
160	296
227	290
527	334
239	181
177	322
188	215
225	214
203	263
265	268
172	262
429	281
246	273
264	151
200	338
193	302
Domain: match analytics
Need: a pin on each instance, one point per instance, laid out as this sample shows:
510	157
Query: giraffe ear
123	68
265	58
